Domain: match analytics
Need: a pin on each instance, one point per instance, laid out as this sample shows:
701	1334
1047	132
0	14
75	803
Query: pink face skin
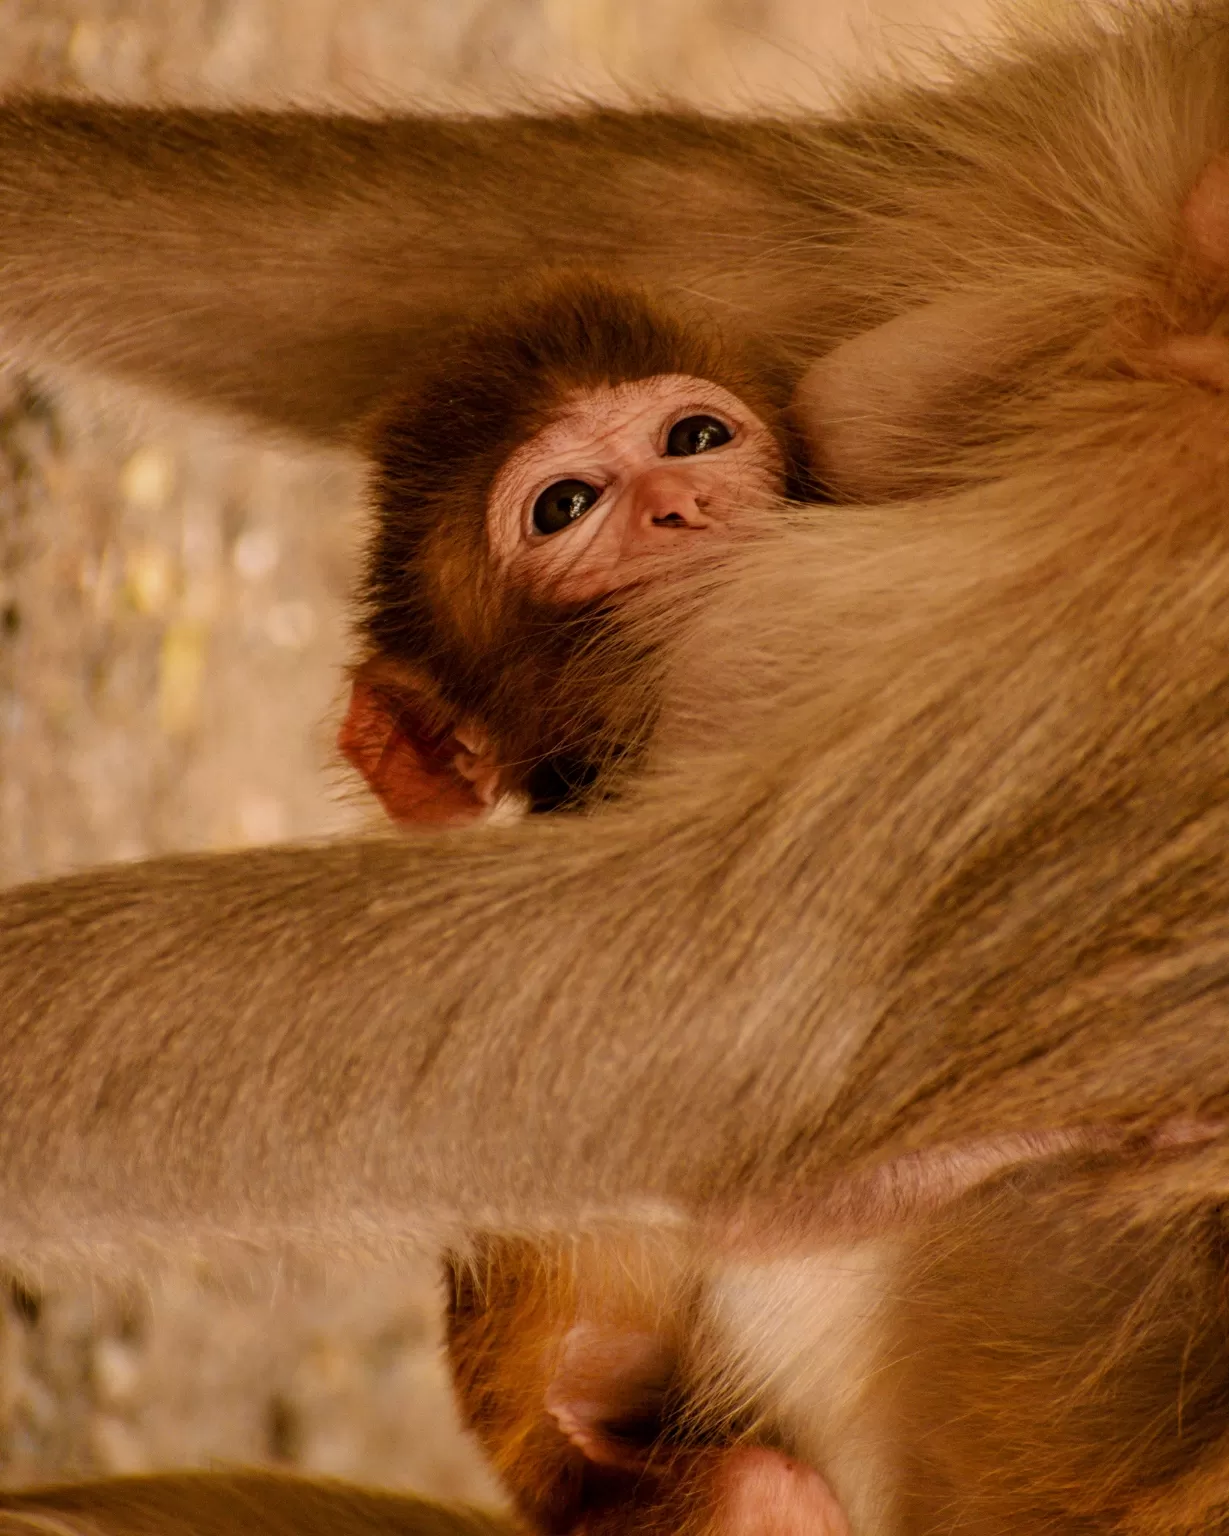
764	1493
649	499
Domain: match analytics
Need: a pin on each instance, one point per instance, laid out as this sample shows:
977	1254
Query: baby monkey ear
424	769
610	1390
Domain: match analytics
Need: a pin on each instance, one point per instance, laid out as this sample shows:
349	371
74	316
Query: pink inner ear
605	1374
764	1493
411	770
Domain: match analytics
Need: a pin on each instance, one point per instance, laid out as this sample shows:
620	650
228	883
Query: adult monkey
782	1036
941	857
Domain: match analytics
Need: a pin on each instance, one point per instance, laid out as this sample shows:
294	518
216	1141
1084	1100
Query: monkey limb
288	266
323	253
265	1504
1105	1321
967	885
221	1503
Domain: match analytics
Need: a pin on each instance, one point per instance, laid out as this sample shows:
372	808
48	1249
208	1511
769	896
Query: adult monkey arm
994	902
288	265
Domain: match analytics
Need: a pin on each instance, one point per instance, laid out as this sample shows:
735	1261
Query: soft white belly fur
806	1335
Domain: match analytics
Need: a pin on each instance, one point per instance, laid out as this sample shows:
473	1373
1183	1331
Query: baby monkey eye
561	504
696	434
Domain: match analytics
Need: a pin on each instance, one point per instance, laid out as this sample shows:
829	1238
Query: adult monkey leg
973	885
289	265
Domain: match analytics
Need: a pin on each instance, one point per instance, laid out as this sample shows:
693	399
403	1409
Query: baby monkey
577	1366
1043	1351
581	441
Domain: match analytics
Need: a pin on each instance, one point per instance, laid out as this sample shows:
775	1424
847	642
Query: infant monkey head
581	440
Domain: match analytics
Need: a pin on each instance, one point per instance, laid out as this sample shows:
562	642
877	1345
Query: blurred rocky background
172	633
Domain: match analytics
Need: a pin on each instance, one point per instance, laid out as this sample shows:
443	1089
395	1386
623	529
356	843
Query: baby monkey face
625	478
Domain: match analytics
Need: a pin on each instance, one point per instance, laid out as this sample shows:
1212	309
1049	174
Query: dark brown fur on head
543	677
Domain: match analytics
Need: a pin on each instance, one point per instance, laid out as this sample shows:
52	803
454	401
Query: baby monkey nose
667	498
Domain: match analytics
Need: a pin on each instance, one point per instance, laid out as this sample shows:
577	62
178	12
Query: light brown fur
886	723
224	1503
932	846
